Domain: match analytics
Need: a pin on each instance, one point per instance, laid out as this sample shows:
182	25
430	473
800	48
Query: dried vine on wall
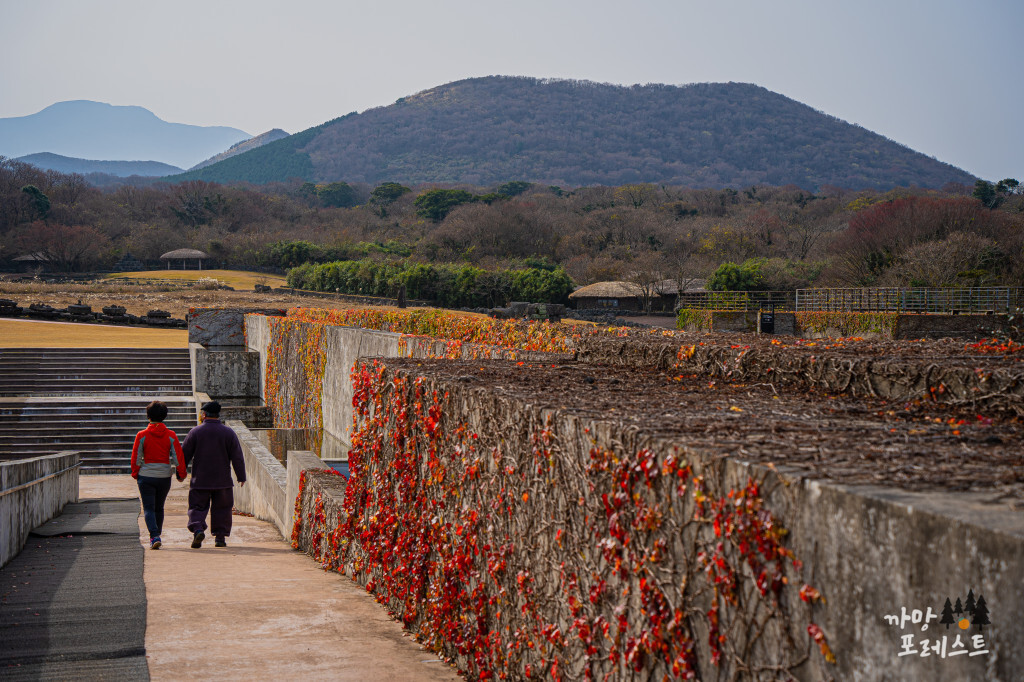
543	554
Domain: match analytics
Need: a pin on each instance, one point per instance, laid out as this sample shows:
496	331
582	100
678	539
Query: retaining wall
871	551
266	493
33	491
342	346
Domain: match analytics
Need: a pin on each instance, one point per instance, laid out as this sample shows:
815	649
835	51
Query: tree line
774	237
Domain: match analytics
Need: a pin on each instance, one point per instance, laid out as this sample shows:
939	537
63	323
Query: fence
736	300
985	300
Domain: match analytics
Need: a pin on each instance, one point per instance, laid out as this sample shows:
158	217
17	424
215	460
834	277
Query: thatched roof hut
185	255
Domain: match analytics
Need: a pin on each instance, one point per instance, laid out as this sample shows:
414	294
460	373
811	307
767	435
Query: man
213	449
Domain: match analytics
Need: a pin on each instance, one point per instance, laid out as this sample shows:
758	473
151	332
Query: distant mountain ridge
243	146
121	169
92	130
490	130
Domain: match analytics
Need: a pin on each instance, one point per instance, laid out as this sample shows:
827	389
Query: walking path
73	602
259	609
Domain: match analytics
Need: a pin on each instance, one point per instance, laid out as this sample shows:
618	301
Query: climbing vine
847	323
520	551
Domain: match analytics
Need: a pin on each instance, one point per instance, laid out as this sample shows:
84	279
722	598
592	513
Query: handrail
23	486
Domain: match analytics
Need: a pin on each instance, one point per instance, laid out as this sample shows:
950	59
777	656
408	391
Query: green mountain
495	129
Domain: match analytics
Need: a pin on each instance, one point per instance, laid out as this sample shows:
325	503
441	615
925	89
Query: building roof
668	287
178	254
607	290
37	257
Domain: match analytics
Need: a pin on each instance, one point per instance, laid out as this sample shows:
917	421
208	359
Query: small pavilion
185	255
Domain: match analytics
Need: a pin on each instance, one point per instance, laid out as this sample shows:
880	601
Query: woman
156	455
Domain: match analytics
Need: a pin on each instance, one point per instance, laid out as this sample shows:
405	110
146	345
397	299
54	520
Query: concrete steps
89	400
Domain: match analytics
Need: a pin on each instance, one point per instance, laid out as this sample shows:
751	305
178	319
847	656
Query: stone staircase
90	400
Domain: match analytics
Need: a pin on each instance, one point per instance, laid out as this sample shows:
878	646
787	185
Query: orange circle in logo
964	623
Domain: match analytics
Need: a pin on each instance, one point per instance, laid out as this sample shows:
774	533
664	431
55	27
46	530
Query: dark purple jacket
211	447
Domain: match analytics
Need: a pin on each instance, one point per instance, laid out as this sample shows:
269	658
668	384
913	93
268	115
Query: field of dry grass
233	278
35	334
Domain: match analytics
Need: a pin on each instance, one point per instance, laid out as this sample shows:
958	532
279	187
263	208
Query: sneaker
197	539
220	542
154	543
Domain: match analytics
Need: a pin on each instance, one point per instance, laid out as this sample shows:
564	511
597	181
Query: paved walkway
259	609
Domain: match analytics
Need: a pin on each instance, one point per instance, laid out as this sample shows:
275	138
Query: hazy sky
943	77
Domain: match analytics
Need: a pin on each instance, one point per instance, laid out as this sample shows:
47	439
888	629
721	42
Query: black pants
218	503
153	492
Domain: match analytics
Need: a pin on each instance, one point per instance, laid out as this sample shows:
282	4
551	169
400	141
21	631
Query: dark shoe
197	539
154	543
220	542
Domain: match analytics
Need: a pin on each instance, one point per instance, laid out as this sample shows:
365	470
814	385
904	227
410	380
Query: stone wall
222	326
263	494
271	487
869	550
33	491
225	373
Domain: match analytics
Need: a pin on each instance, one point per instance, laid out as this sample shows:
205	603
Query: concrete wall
729	321
298	461
33	491
957	326
225	373
870	550
263	494
270	488
222	326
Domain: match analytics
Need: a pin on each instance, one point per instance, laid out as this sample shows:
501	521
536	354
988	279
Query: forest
760	237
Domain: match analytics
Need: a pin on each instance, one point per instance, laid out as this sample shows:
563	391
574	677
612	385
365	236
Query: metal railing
981	300
736	300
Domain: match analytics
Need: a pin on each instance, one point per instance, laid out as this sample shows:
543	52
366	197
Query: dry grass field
233	278
35	334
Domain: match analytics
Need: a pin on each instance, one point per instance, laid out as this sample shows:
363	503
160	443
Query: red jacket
155	459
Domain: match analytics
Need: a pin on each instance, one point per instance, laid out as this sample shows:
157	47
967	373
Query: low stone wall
263	494
33	491
999	388
533	541
271	487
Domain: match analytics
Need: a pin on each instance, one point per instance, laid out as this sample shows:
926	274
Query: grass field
34	334
238	279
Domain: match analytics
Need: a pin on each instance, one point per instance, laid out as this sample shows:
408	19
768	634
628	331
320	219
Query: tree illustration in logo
981	614
947	614
958	609
970	605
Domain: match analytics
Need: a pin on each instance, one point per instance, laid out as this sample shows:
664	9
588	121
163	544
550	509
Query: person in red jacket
156	456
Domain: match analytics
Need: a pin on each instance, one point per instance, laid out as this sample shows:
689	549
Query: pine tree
981	614
947	614
970	605
958	609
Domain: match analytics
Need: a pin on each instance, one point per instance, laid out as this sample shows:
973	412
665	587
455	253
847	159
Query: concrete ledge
33	491
263	495
298	461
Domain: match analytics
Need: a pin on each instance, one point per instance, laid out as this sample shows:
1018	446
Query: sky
943	77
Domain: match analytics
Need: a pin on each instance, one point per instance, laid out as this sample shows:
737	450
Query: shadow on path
73	602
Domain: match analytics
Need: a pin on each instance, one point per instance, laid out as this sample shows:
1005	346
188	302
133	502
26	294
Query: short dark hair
212	408
156	411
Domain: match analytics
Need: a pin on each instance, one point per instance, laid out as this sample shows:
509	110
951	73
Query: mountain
121	169
93	130
499	128
243	146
